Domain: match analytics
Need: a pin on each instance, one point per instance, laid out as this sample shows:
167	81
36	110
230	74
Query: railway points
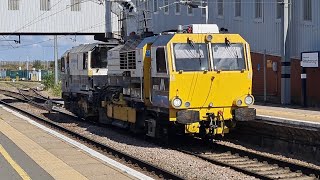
49	151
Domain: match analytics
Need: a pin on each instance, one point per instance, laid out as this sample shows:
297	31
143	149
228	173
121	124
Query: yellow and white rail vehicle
195	82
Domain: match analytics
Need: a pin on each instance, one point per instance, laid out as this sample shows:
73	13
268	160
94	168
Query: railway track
32	96
144	166
253	164
247	162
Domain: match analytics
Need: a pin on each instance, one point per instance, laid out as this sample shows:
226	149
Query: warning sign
269	63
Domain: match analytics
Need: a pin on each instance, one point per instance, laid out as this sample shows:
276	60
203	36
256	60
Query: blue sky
37	47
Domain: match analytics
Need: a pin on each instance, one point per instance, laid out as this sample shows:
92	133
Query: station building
259	22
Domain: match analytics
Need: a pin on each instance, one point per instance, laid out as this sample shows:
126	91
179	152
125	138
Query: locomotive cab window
62	64
161	60
191	56
85	60
228	57
99	58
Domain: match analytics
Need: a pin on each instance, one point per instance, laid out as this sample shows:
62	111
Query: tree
37	64
51	65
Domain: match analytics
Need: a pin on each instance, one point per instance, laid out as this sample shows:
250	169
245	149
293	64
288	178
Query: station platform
30	152
309	118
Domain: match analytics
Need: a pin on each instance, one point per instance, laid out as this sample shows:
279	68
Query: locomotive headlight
238	102
187	104
176	102
248	100
209	38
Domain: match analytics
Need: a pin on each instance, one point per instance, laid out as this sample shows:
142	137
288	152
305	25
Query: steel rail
230	156
305	170
145	166
39	97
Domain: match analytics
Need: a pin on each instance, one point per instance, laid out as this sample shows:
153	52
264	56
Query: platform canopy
53	17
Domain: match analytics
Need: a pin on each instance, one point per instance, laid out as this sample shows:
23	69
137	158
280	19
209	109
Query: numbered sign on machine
310	59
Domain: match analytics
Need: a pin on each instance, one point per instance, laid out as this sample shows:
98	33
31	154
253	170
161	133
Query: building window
237	8
178	7
166	9
13	4
279	8
220	7
190	10
307	10
203	10
258	9
44	5
146	5
155	6
75	5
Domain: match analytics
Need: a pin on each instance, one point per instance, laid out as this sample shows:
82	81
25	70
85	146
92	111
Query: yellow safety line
15	166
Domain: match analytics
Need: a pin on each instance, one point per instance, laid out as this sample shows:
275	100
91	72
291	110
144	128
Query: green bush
48	81
56	90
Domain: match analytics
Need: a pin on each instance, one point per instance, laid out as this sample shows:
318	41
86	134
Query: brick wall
274	81
295	81
273	78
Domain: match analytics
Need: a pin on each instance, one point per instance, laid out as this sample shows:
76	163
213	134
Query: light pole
27	63
55	59
1	75
191	5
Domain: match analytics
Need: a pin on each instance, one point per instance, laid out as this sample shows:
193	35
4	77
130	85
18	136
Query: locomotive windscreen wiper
232	51
191	43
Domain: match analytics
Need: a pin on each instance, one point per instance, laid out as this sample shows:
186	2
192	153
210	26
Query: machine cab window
161	60
99	58
191	56
85	60
228	57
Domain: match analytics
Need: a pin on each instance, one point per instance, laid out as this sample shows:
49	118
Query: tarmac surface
29	152
291	113
15	164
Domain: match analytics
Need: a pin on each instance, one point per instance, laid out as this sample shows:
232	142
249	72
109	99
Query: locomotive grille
131	60
128	60
123	61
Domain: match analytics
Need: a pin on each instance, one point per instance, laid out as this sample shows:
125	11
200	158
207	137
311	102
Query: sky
37	47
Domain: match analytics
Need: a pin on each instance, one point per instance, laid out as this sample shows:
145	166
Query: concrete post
285	51
55	59
264	77
108	20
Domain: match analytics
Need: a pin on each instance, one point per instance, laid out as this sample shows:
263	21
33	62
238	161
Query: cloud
40	47
36	45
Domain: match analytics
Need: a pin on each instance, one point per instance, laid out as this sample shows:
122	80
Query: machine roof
131	45
83	48
163	40
88	47
146	41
